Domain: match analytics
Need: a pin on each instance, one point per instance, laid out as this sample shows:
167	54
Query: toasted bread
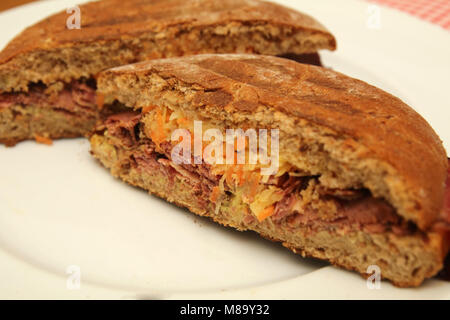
362	174
117	32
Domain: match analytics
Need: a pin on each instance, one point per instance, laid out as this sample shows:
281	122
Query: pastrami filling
76	97
356	209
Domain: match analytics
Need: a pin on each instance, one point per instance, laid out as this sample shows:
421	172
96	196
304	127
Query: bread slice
117	32
361	176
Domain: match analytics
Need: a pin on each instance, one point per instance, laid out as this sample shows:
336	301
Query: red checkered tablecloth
435	11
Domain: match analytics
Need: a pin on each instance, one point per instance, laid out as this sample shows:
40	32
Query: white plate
59	208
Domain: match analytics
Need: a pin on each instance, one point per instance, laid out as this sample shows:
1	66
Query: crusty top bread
117	32
347	131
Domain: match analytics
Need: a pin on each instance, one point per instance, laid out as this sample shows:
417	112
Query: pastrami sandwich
359	178
47	73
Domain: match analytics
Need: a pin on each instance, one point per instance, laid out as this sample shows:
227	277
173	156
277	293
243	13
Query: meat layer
62	110
303	202
78	96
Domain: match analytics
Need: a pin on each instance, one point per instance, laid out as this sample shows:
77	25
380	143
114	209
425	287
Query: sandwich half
47	73
359	178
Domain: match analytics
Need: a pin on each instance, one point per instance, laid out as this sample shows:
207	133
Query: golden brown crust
118	19
375	124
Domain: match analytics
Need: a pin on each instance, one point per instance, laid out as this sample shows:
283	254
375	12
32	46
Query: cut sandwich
47	73
360	177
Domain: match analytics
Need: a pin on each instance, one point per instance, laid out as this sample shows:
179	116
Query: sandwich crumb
43	140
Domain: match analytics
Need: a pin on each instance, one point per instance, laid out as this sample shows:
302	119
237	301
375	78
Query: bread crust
114	24
378	129
115	19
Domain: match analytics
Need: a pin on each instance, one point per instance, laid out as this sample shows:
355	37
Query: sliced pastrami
123	126
355	208
74	97
83	95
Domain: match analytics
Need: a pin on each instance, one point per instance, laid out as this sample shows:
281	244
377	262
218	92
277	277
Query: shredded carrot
243	178
43	140
157	131
183	121
154	135
100	100
148	109
267	212
229	175
193	141
160	122
167	112
214	194
240	174
254	182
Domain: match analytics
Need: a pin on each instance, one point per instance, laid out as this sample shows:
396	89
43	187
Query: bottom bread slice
18	123
58	111
405	259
